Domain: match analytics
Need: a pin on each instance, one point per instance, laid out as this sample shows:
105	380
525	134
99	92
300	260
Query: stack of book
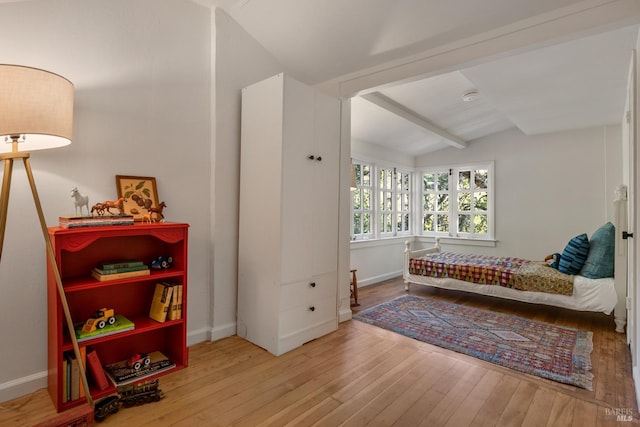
120	270
120	373
72	387
94	221
167	302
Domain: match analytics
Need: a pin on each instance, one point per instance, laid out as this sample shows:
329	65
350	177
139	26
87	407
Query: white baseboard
344	314
377	279
22	386
223	331
636	383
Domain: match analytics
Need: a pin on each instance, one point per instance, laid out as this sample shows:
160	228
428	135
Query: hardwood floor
363	375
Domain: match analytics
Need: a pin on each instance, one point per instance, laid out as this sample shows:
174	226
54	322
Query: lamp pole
4	204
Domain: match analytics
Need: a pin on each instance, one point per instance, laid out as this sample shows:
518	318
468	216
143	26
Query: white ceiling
578	83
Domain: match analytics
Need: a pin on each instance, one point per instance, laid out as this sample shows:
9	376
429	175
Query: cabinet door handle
312	308
312	284
311	157
319	158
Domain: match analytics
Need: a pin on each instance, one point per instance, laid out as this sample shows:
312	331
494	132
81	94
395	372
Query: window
361	203
458	202
381	207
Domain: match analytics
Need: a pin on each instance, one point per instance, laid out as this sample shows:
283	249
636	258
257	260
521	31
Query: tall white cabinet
288	237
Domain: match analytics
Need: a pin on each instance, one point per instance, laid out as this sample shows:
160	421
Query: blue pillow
574	255
600	261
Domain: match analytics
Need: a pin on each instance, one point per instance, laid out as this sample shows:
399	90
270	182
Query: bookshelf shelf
77	251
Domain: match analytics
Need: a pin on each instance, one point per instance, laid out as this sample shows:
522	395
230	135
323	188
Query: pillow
574	255
600	261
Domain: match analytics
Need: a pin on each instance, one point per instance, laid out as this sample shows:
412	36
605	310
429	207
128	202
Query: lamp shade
37	105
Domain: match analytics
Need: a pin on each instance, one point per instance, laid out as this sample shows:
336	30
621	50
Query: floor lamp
36	113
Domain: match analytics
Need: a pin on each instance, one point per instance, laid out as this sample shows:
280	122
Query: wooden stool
354	288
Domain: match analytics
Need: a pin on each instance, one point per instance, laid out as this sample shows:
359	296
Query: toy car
162	262
139	360
108	405
99	319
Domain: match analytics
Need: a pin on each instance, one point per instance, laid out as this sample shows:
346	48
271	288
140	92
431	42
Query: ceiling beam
392	106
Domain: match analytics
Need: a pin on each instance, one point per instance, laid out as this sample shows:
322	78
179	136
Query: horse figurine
117	204
80	200
98	208
158	211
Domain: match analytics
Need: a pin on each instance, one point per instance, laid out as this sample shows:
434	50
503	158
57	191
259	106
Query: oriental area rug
548	351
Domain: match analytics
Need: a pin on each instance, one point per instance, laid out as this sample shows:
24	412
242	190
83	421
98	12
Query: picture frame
139	192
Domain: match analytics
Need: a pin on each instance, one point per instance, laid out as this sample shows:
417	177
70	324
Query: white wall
548	189
142	75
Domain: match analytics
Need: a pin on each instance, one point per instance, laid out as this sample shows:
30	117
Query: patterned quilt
509	272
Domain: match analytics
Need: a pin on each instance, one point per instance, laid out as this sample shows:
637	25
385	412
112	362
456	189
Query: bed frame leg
406	286
620	324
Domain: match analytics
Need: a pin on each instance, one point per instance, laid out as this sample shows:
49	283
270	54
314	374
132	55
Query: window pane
480	224
366	175
405	202
443	223
366	223
443	203
357	224
385	223
464	223
429	182
464	180
428	222
480	201
357	199
464	201
481	177
385	201
443	182
366	199
429	202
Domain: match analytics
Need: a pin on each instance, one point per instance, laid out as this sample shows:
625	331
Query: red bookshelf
77	251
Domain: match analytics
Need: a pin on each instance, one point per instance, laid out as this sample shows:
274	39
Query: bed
524	280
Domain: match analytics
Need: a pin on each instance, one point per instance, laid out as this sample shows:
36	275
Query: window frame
361	187
453	191
377	214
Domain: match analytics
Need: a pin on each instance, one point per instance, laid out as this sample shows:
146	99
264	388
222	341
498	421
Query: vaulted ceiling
567	79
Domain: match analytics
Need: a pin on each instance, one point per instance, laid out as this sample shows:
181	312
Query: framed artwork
139	192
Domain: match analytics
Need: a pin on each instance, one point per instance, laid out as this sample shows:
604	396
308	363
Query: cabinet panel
78	251
305	316
308	291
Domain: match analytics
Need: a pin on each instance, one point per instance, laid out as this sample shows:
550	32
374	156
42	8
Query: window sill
446	240
387	241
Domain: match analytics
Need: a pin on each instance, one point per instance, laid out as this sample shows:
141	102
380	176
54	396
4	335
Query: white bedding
597	295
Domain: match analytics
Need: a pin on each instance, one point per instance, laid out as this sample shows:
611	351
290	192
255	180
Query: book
95	368
116	276
121	374
65	381
161	301
121	324
120	269
176	299
94	221
179	315
83	359
123	263
75	379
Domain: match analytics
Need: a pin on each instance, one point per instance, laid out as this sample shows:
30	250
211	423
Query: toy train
128	396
